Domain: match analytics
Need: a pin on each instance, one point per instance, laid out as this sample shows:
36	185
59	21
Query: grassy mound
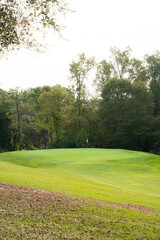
104	174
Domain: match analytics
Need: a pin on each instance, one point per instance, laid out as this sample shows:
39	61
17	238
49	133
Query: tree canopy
23	22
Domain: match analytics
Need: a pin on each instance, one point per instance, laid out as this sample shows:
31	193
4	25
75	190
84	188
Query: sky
94	27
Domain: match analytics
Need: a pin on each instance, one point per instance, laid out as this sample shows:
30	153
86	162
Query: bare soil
41	197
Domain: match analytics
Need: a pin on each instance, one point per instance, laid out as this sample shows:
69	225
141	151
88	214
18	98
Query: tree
103	74
153	71
120	66
5	133
16	108
137	71
78	73
52	111
126	113
34	94
23	22
19	116
120	61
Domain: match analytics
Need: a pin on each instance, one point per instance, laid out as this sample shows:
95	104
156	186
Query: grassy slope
112	175
35	214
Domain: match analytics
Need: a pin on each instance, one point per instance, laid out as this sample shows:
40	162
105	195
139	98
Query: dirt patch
27	213
132	206
42	197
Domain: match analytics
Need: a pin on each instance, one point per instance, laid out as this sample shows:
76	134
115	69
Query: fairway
104	174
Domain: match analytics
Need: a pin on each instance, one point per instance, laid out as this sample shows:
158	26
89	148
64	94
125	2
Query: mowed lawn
104	174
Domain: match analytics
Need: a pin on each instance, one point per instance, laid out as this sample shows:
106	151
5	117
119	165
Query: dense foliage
124	114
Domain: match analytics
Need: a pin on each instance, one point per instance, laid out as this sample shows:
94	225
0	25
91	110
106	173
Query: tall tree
78	73
18	114
103	74
5	133
120	61
15	101
153	71
126	113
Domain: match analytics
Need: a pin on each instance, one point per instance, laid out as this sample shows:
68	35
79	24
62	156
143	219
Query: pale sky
94	28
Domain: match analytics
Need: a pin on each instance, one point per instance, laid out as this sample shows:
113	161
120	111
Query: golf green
105	174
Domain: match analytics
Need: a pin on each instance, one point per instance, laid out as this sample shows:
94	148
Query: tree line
124	112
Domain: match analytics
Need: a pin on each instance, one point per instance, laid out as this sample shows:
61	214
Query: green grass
119	176
31	214
103	174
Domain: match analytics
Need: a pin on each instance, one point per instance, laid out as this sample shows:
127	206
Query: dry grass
36	214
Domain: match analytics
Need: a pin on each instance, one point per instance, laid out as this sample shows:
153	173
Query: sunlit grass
104	174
